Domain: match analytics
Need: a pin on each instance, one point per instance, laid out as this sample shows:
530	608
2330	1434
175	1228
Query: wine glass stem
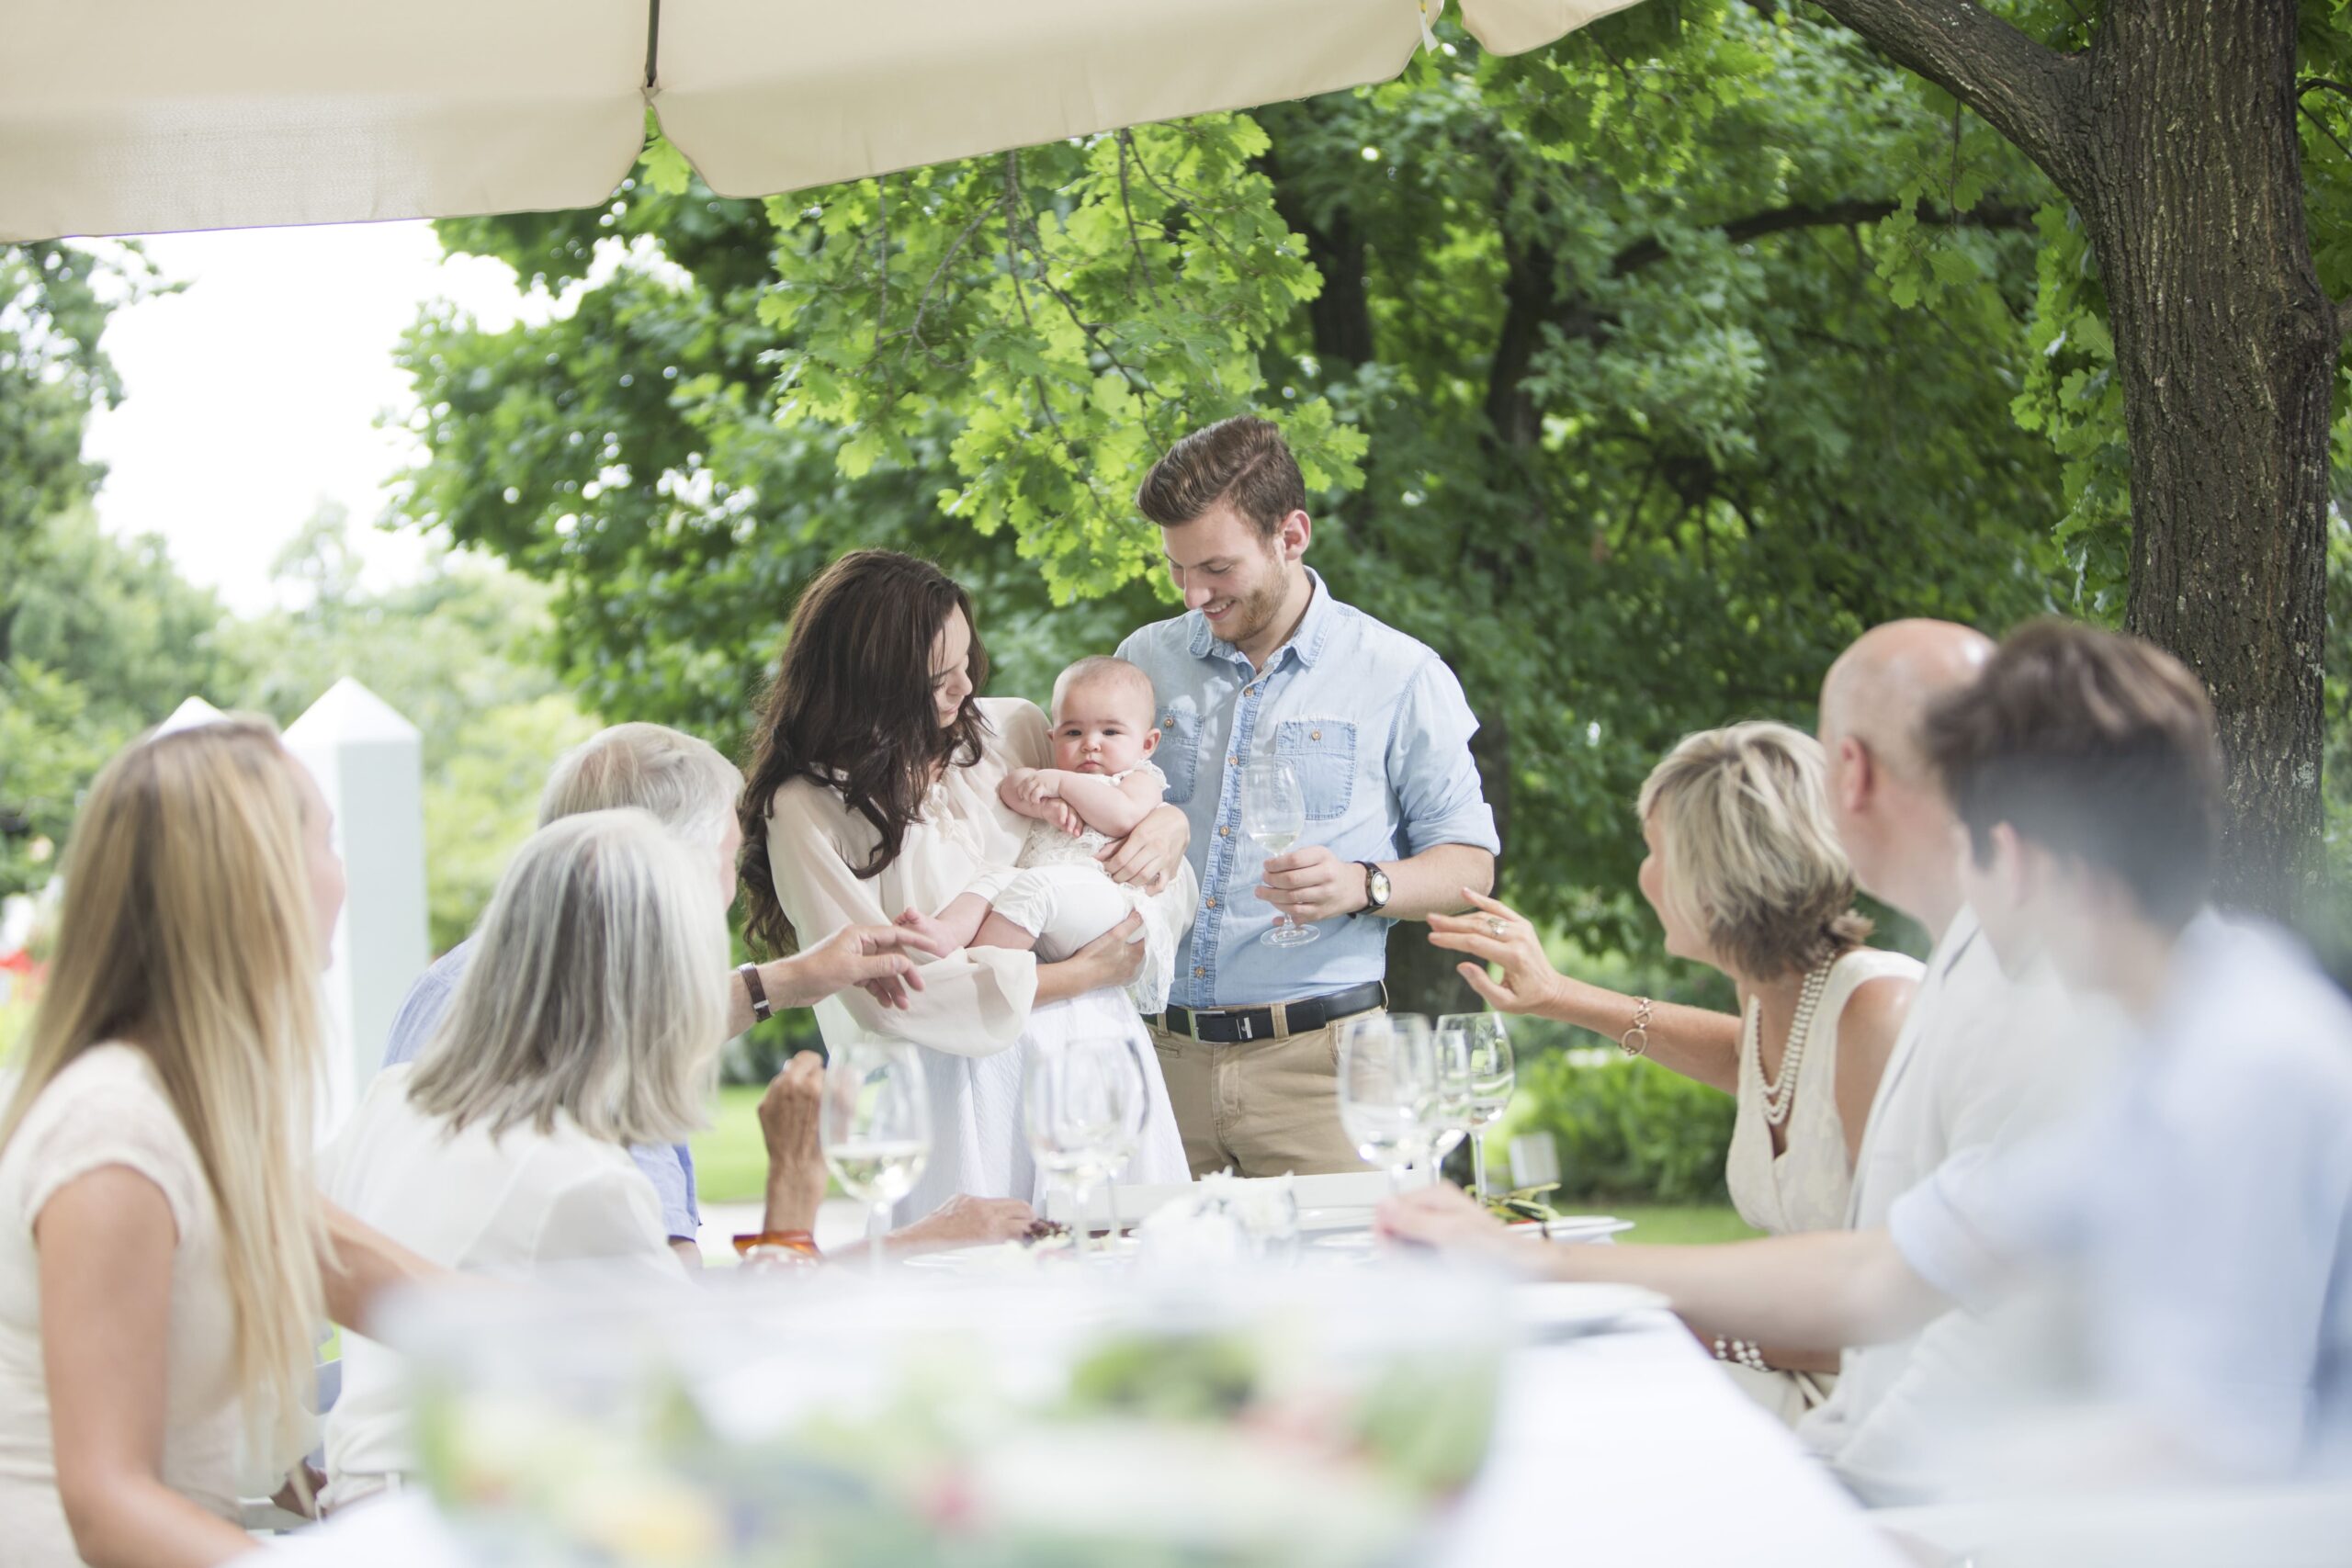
878	1223
1478	1163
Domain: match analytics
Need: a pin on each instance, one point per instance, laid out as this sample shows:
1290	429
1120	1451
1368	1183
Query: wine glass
1273	813
1487	1049
1130	1132
1456	1096
875	1129
1080	1098
1388	1089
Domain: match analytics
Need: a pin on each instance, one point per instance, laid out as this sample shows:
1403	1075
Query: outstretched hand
962	1220
1445	1217
1494	933
875	958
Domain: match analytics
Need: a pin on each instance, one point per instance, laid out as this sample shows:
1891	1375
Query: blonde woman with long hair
161	1238
1745	876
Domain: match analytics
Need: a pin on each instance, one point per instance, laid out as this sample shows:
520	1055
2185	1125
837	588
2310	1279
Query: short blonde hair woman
590	1019
1745	876
160	1279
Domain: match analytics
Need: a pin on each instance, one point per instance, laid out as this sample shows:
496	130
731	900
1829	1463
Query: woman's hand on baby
1116	955
1148	857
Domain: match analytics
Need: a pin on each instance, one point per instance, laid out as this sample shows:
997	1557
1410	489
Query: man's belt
1236	1026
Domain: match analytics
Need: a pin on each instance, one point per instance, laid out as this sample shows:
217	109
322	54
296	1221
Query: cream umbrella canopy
121	117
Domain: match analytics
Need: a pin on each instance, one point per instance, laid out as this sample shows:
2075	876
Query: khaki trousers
1259	1108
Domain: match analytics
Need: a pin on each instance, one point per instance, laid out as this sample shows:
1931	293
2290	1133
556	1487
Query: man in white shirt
1979	1055
2197	1209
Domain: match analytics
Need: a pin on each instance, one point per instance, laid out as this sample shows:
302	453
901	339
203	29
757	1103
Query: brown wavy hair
850	709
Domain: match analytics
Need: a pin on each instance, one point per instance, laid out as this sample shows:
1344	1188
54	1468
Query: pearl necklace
1780	1088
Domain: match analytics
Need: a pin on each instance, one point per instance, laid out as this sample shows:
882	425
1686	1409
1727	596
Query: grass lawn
731	1166
731	1163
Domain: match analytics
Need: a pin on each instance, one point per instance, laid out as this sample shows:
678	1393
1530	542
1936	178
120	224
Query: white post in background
370	762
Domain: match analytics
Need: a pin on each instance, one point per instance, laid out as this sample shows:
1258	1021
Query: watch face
1378	886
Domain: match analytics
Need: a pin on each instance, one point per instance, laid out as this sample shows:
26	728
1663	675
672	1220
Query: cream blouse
974	1002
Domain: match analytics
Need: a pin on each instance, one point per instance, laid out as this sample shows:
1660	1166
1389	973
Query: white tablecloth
1610	1452
1619	1450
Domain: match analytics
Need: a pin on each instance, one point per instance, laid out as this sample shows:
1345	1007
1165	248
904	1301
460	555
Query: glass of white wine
1485	1054
876	1130
1273	813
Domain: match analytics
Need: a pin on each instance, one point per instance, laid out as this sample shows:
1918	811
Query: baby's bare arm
1028	792
1111	809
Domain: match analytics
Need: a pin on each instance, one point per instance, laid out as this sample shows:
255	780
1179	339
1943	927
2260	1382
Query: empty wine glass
876	1127
1273	813
1486	1048
1080	1098
1388	1089
1455	1093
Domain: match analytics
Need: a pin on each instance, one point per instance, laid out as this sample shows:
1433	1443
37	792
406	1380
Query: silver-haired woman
1747	876
590	1020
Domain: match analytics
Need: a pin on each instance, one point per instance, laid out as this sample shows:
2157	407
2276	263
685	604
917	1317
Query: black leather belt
1236	1026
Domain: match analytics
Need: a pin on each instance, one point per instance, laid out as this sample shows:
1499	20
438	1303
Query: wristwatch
1375	888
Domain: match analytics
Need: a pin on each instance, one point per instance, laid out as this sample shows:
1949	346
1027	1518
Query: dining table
1616	1445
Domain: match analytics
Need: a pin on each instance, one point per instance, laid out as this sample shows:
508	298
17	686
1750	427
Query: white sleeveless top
1807	1185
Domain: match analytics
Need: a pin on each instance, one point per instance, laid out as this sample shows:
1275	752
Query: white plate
1575	1227
1353	1217
1565	1307
1004	1257
1345	1241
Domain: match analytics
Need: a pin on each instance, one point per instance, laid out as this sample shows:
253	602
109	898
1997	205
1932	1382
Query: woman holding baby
878	789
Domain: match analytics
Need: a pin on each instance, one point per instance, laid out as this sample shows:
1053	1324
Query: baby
1057	897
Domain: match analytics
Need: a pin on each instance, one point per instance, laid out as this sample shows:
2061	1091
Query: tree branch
1825	215
2023	89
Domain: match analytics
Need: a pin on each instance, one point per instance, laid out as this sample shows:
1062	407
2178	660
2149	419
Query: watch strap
760	1010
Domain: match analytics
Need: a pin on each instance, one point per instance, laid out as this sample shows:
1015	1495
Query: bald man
1974	1062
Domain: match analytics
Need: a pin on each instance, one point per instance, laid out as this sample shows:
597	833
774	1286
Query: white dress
1807	1186
1067	900
502	1206
107	1108
973	1017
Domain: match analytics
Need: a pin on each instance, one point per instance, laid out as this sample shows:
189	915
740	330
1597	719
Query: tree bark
2227	349
2175	137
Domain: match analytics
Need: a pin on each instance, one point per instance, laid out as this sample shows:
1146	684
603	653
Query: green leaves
1062	314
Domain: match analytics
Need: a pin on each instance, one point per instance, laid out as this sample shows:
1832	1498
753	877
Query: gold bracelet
1641	1027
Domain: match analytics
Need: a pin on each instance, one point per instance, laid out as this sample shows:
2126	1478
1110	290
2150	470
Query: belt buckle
1241	1021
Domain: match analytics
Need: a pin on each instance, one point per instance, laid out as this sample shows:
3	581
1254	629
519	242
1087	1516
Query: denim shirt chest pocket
1179	753
1322	755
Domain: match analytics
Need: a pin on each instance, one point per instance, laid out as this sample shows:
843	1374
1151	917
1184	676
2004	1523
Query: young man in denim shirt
1263	665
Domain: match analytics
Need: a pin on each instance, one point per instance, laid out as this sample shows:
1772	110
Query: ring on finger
1495	927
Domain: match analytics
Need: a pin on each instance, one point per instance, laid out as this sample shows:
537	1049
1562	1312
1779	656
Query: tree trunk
2227	350
2174	134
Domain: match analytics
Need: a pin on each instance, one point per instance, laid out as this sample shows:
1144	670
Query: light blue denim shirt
2197	1211
1375	725
671	1169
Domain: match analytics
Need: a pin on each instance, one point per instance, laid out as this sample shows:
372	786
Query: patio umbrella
122	116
